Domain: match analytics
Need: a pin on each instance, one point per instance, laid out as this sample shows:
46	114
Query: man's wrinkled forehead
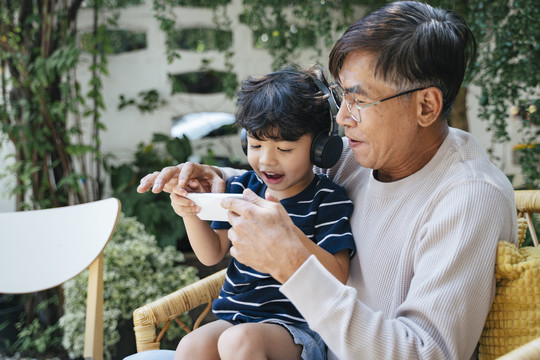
352	80
355	88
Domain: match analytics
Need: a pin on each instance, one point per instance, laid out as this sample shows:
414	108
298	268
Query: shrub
136	271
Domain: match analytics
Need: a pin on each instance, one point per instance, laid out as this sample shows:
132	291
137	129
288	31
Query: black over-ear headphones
327	145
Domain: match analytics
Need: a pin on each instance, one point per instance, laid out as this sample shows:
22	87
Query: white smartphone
210	204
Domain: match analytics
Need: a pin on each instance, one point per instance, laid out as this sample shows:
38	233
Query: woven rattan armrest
147	318
528	202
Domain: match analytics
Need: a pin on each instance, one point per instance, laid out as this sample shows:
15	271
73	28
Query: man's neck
428	151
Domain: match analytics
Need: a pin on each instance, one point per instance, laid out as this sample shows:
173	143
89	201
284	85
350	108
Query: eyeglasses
338	94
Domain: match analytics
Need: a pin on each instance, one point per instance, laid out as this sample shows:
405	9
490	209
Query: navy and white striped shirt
322	212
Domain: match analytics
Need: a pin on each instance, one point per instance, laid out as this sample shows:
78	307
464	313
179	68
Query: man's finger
235	205
147	182
250	196
167	179
159	182
217	183
187	172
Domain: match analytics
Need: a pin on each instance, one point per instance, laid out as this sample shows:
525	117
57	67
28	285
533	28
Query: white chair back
41	249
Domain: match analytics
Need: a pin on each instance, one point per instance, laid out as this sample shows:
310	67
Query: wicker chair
167	309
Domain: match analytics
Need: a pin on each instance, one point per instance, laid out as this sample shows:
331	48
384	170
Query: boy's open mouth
271	176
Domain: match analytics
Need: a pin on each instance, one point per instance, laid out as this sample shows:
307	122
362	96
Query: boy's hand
183	206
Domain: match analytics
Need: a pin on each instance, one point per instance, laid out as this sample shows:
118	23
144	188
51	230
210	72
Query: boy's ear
430	102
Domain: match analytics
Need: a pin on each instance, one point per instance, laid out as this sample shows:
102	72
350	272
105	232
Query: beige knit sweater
423	280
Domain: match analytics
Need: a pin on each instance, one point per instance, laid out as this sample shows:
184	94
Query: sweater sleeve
229	172
447	300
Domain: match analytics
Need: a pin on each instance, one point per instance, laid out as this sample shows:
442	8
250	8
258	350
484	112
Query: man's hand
264	237
189	176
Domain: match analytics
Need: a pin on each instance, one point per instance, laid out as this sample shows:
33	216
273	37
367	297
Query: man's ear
430	101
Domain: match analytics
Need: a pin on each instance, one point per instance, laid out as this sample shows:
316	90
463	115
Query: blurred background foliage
153	210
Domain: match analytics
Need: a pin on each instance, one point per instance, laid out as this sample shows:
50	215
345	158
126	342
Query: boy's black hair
283	105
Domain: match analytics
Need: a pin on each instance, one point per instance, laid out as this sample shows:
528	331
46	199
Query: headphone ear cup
243	140
326	150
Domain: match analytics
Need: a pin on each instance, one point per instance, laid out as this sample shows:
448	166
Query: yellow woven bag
514	318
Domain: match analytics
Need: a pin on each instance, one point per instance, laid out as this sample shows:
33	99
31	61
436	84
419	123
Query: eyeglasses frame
356	101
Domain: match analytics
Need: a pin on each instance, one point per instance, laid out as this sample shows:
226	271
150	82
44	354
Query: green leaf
122	178
180	149
160	138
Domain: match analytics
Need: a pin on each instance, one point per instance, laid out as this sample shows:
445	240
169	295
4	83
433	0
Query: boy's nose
268	157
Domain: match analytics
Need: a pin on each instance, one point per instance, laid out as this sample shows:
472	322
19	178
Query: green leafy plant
204	81
149	101
200	3
136	271
35	338
202	39
508	71
284	27
41	113
153	210
118	41
529	149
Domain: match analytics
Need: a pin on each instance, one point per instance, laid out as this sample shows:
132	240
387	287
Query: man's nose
344	118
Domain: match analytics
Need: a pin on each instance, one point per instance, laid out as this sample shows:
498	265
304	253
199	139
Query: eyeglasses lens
341	95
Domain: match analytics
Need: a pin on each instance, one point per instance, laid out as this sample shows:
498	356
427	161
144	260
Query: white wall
147	69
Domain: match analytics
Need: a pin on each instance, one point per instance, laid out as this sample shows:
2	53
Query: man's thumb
250	196
268	196
253	198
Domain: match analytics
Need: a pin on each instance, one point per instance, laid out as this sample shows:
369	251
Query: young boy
281	114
